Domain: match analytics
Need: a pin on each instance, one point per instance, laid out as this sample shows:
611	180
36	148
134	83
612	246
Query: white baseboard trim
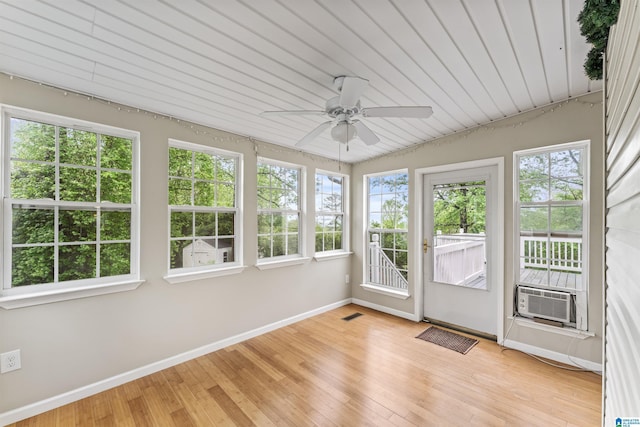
552	355
36	408
382	308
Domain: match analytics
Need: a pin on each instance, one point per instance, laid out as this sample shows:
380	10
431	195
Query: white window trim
384	290
268	263
346	220
582	295
199	275
181	275
331	255
62	291
46	297
570	332
281	262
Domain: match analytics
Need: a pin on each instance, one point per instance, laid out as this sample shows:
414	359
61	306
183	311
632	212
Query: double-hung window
551	212
203	209
279	210
387	230
331	224
70	203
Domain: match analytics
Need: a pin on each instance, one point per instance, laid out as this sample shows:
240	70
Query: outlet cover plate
10	361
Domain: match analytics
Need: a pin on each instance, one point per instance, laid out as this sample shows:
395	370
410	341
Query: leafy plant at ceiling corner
595	19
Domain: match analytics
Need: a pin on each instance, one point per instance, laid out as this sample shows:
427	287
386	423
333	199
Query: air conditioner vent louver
550	305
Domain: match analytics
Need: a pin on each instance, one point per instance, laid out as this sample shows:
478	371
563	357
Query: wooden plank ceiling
220	63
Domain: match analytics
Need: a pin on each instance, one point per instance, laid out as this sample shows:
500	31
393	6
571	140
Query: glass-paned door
459	233
460	278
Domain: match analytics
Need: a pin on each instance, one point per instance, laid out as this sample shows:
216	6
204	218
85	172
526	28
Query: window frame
185	274
376	287
300	256
28	295
580	293
344	213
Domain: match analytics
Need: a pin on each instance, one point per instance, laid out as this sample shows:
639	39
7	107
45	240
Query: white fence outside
382	271
555	253
459	258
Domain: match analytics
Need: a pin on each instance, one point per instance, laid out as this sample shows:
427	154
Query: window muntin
330	212
388	217
70	205
279	210
551	215
203	208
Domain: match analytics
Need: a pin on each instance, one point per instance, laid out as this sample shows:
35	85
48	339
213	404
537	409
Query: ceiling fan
346	113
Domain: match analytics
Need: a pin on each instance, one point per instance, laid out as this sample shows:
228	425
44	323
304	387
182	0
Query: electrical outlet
10	361
346	279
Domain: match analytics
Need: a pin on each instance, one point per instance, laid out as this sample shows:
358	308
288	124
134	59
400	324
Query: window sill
328	256
46	297
570	332
197	275
385	291
268	265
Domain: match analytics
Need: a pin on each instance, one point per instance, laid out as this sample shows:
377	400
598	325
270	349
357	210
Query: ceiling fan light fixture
344	132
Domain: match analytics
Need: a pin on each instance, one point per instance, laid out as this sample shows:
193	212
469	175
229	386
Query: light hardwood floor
326	371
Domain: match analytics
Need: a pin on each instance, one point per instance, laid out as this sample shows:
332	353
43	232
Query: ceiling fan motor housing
334	109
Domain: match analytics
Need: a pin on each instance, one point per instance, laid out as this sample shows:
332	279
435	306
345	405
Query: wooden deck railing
556	253
381	270
458	259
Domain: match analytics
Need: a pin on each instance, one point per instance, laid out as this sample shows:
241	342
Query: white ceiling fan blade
352	88
366	134
313	134
292	112
407	112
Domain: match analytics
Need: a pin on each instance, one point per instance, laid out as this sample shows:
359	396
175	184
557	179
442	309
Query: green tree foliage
388	202
278	210
595	19
39	194
546	181
551	193
201	180
36	142
329	227
460	206
389	216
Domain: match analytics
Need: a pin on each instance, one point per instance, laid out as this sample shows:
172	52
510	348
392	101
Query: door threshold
461	329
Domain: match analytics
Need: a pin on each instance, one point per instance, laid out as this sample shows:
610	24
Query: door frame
498	258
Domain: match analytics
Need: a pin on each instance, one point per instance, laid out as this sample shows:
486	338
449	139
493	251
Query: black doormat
352	316
447	339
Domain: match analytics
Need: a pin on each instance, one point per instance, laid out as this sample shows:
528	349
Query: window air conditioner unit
550	305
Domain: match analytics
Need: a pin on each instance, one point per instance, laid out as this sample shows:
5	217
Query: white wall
575	120
622	352
71	344
67	345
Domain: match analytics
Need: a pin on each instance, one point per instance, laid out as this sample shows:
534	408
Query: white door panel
460	285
